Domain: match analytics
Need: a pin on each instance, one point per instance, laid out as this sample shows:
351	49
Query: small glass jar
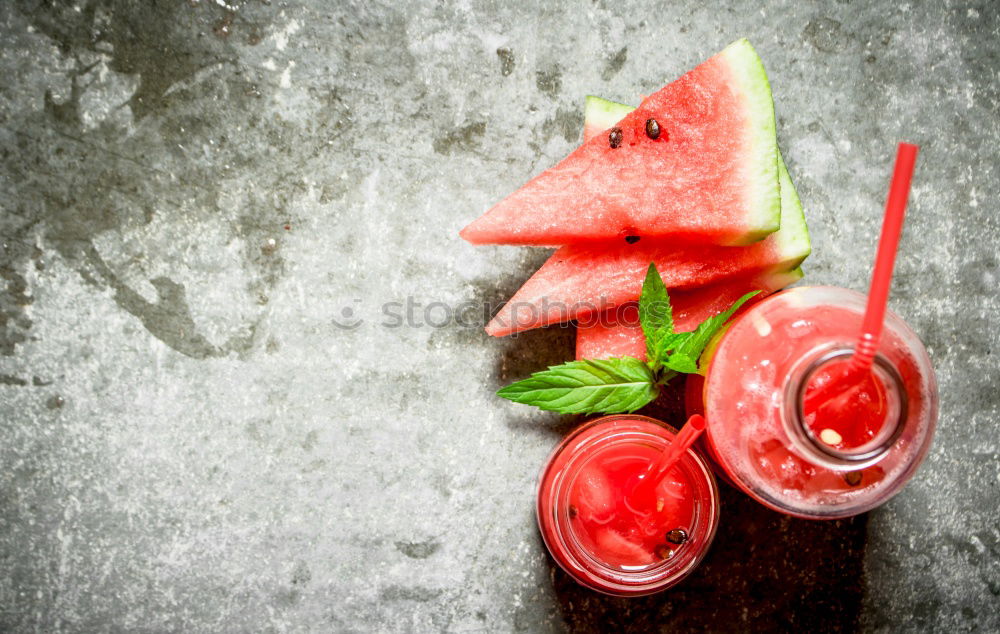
622	434
755	386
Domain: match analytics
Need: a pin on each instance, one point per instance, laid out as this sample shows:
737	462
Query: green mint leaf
588	386
669	343
682	363
695	344
655	315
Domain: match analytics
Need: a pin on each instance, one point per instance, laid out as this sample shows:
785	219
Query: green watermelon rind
787	278
793	235
793	238
603	113
749	74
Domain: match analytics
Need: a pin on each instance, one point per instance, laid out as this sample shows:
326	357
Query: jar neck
815	446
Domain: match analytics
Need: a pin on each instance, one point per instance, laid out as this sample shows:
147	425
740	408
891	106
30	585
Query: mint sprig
587	387
624	384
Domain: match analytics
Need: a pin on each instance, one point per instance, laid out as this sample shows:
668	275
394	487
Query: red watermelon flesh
583	280
710	177
578	281
617	333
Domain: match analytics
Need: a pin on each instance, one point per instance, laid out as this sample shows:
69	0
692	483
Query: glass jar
758	430
623	440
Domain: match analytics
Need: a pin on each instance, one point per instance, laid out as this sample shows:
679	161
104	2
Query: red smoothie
605	534
629	532
827	457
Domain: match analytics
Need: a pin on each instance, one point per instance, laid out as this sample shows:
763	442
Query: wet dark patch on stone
150	40
826	34
506	60
169	318
66	112
79	183
985	395
14	298
567	123
614	63
468	333
254	36
462	139
926	611
418	550
991	584
549	80
442	484
406	383
311	440
980	275
419	594
301	575
261	228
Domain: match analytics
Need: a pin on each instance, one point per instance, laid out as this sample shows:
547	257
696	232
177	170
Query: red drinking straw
658	468
878	292
892	228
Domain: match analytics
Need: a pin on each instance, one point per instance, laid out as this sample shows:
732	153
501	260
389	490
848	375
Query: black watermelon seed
663	551
677	536
615	137
631	239
652	129
853	478
572	511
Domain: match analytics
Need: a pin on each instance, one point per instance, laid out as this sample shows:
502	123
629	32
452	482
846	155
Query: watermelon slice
617	333
710	176
579	281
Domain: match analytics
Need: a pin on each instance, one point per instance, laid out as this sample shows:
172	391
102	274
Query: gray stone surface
193	197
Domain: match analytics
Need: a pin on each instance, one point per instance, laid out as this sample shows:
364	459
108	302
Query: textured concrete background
196	199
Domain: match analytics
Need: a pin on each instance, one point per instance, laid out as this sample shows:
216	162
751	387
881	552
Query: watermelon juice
611	541
842	456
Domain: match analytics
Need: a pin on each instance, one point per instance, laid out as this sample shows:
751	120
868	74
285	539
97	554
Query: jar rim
826	455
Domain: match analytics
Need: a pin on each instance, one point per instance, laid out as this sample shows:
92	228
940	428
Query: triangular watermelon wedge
617	333
710	176
579	281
